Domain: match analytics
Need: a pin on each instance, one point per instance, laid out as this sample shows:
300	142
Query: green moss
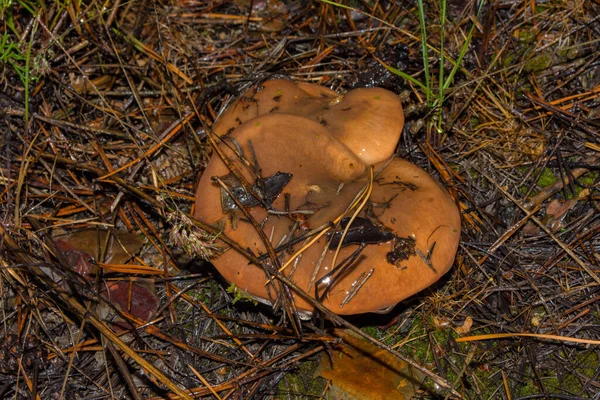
547	178
589	178
240	295
455	167
508	60
538	63
567	53
540	8
529	389
481	367
587	363
417	344
371	331
301	383
199	295
523	190
526	36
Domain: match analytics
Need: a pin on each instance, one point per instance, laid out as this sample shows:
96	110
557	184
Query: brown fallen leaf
556	212
122	245
136	297
359	370
466	326
79	261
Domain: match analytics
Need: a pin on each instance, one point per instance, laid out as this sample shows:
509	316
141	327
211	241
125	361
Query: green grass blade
27	78
333	3
442	38
440	99
426	87
463	51
424	50
406	76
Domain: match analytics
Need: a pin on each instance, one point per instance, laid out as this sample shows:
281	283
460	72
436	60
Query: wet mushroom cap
277	95
370	116
405	203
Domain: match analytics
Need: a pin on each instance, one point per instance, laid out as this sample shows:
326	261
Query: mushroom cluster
353	226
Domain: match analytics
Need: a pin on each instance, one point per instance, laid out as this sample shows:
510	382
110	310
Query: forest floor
105	111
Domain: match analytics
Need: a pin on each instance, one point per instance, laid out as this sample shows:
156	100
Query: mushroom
370	116
403	239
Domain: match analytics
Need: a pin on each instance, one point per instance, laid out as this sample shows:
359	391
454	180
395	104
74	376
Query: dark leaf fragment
268	188
361	231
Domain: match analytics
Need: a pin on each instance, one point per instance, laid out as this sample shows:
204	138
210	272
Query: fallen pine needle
131	269
366	194
205	382
534	335
363	202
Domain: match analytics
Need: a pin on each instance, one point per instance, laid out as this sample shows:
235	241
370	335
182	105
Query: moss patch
547	178
301	383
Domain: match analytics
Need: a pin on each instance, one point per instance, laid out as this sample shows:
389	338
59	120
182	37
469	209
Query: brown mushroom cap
363	116
312	156
405	200
277	95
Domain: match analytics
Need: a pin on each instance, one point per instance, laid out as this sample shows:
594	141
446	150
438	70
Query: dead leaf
79	261
466	326
136	297
556	212
359	370
121	246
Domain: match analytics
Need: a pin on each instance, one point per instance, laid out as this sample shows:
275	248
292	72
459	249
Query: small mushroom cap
317	91
284	143
405	200
368	121
277	95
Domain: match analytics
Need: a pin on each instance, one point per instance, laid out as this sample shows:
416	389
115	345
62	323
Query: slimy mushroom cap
404	239
368	121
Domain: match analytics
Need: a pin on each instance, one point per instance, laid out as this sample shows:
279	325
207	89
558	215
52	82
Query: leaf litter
105	111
